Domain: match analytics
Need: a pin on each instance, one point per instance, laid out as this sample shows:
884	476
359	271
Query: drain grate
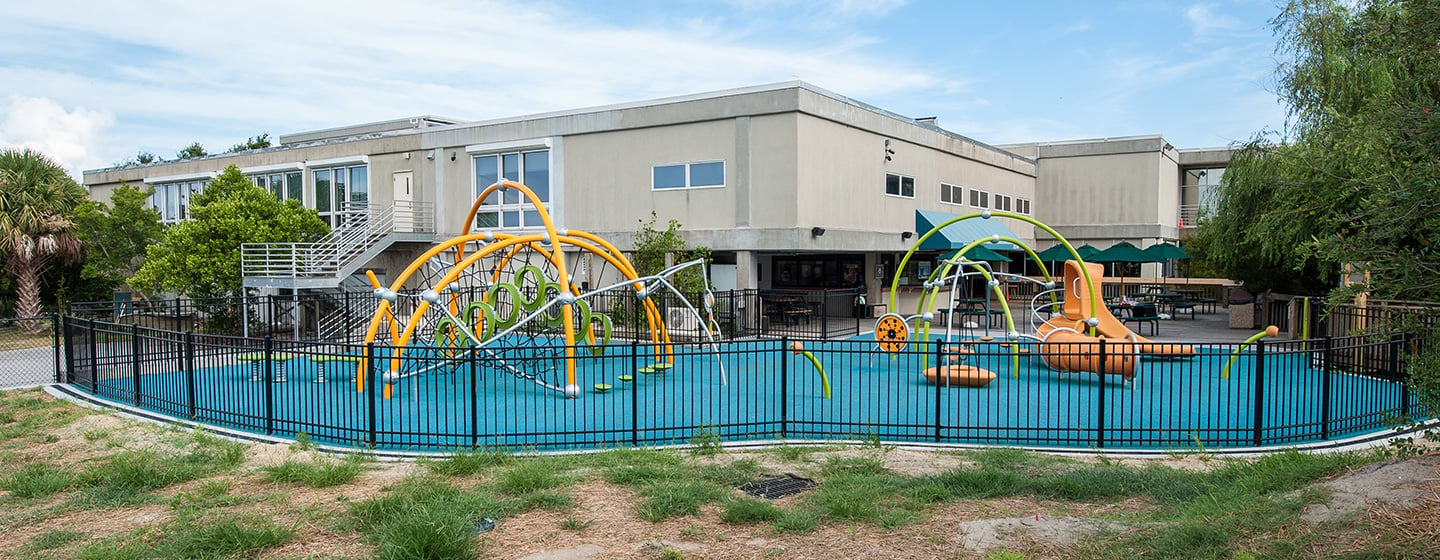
777	487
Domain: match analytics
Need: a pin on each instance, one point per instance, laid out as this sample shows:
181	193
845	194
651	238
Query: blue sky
94	82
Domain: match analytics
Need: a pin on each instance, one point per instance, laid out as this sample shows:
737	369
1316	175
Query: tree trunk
27	293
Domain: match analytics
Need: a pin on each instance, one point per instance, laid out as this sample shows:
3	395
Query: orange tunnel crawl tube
1066	350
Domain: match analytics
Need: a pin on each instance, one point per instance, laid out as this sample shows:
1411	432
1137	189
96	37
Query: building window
337	187
284	185
172	200
1002	202
1022	206
508	209
899	185
952	194
818	271
698	175
979	198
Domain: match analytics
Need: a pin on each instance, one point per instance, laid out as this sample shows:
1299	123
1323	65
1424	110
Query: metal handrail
360	227
1190	215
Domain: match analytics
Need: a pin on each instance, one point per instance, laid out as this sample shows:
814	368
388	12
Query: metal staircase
364	232
347	313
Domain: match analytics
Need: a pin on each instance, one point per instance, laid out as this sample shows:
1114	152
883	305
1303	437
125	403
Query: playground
491	340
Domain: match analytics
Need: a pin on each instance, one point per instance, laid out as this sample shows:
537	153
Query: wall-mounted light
430	155
817	231
452	156
888	152
904	235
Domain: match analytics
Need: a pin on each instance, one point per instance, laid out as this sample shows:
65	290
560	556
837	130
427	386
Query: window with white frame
979	198
1022	206
172	199
336	186
952	194
696	175
508	209
899	185
1002	202
283	184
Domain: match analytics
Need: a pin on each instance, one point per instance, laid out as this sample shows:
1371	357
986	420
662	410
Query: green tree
252	143
37	199
144	158
194	150
116	236
656	249
201	257
1352	179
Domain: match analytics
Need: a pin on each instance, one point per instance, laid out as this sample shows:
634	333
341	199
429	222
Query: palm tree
37	199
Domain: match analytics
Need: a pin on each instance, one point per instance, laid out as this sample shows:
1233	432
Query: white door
404	194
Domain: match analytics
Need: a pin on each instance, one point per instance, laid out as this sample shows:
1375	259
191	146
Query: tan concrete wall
842	181
1103	189
608	177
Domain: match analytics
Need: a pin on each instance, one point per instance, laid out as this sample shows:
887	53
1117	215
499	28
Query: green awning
961	233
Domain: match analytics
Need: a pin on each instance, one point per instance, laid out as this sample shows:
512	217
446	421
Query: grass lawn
77	483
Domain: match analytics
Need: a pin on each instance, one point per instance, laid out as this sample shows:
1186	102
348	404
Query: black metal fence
760	389
29	352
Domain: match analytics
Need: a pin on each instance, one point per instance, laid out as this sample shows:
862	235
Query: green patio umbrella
1124	252
979	253
1166	252
1056	253
1060	253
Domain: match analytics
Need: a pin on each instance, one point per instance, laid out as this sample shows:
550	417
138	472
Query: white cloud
324	64
71	138
1206	22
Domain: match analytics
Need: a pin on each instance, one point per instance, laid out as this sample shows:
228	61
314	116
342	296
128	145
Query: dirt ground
1403	494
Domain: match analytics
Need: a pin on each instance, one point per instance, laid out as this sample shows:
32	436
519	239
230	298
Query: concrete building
792	186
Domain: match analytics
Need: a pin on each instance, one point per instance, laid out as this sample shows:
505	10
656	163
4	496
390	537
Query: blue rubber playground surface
765	393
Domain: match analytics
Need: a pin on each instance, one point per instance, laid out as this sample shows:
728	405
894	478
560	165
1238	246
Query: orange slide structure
1066	336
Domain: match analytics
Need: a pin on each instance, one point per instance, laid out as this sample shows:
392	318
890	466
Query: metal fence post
349	319
269	385
474	401
1100	399
635	395
190	373
730	309
94	359
69	351
135	361
825	315
1397	349
784	387
370	388
55	328
1259	392
1325	386
941	378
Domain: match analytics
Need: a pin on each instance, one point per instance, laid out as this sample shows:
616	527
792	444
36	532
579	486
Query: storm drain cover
777	487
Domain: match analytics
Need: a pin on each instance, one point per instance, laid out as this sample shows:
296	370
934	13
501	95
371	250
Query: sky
92	83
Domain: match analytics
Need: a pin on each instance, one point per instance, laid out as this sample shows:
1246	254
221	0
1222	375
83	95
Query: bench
1186	306
1153	321
1144	313
1207	305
